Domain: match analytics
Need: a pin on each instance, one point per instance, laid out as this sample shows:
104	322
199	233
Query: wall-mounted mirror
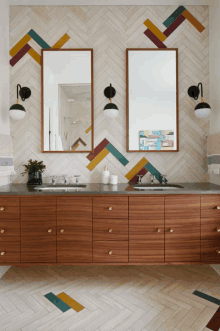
152	100
67	100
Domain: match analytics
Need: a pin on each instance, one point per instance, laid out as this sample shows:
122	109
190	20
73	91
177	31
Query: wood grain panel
38	209
183	228
209	228
12	252
110	229
73	251
145	208
11	231
11	208
101	251
146	251
74	230
182	251
209	250
209	204
146	230
38	248
182	206
101	207
73	208
37	228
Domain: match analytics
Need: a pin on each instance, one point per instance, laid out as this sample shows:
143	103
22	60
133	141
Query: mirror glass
152	105
67	101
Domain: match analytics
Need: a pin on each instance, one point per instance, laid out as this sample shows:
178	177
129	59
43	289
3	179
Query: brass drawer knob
109	208
158	230
218	207
217	251
218	229
62	230
110	230
110	252
171	230
2	253
50	230
2	208
2	231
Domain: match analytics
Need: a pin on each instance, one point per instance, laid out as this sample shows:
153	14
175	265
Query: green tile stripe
174	16
38	39
57	302
117	154
207	297
153	171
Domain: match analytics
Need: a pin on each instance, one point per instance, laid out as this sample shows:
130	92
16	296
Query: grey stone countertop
120	189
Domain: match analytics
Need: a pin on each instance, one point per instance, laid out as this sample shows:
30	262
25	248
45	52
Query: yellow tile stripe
193	20
136	168
61	41
88	129
19	45
35	55
155	30
70	302
97	159
75	147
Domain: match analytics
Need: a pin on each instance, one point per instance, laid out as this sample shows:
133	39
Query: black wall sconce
110	110
17	111
203	109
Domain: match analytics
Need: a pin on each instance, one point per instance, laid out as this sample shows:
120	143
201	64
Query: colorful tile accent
97	159
172	22
98	149
20	54
77	143
57	302
154	171
142	172
38	39
117	154
207	297
35	55
20	45
214	323
61	41
136	168
70	302
89	129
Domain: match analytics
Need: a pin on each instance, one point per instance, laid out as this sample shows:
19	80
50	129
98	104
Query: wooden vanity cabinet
182	228
74	229
38	229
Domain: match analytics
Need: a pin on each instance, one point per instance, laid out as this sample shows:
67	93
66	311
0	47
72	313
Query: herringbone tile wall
109	30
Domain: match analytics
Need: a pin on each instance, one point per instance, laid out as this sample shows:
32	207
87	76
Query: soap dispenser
105	176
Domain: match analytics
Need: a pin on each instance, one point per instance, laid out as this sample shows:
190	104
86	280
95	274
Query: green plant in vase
34	170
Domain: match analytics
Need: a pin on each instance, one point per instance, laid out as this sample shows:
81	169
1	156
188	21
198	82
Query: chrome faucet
139	179
152	177
53	180
65	179
77	179
164	180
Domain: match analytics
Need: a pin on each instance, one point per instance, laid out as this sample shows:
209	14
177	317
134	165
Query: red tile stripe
154	39
142	172
214	323
20	54
98	149
174	25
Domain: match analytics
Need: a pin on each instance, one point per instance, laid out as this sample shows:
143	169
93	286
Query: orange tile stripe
136	168
61	41
88	129
35	55
155	30
20	45
97	159
70	302
75	147
193	20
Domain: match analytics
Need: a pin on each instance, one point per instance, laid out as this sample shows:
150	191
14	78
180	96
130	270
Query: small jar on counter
113	180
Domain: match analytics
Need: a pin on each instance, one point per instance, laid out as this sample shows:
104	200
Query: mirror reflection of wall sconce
203	109
17	111
110	110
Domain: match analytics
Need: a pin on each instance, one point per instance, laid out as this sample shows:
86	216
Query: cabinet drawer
38	249
9	231
146	251
73	208
77	231
38	209
9	208
35	229
182	250
110	251
210	228
146	208
209	250
71	251
110	207
146	230
110	229
11	252
209	206
181	229
177	207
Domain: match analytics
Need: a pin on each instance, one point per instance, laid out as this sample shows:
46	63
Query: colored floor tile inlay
64	302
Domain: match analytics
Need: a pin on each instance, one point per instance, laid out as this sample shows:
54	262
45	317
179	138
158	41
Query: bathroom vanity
110	226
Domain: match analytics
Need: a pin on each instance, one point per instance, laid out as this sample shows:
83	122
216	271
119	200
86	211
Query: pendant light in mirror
110	110
203	109
17	111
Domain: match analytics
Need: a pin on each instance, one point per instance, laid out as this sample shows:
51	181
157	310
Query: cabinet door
146	229
74	229
182	228
38	229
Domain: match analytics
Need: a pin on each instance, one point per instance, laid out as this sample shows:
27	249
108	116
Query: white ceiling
109	2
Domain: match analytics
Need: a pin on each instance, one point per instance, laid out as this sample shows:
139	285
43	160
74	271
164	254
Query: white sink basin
157	187
60	187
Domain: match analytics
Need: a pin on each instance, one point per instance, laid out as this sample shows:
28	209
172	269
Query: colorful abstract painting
151	140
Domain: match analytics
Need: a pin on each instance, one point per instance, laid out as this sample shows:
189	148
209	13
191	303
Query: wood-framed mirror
152	100
67	101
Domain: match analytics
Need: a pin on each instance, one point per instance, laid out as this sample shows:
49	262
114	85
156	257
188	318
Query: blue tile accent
38	39
117	154
174	16
207	297
57	302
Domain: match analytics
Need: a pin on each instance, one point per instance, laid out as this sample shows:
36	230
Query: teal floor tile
57	302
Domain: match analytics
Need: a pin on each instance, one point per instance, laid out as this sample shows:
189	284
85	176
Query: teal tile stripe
38	39
153	171
57	302
117	154
174	16
207	297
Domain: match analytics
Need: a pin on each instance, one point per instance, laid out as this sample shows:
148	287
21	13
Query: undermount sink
157	187
60	187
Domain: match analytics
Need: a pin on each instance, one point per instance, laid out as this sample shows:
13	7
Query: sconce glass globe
202	110
110	111
17	112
